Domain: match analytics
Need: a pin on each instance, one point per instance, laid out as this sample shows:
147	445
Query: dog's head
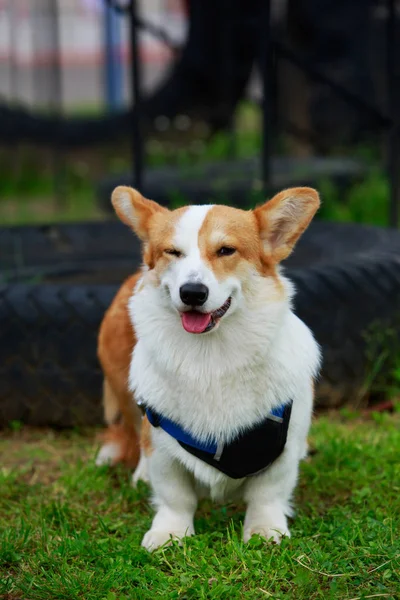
208	261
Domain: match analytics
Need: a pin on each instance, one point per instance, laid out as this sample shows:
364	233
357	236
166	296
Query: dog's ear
134	210
283	219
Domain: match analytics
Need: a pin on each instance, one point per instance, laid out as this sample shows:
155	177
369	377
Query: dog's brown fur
115	343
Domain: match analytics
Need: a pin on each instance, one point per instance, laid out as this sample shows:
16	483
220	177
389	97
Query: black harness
253	451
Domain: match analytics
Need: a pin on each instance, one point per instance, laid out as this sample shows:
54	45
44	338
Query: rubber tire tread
49	373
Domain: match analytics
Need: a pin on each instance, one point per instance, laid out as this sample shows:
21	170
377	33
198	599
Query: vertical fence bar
393	91
55	77
266	49
12	10
113	66
227	65
137	137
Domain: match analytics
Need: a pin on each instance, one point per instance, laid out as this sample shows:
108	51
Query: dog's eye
226	251
173	252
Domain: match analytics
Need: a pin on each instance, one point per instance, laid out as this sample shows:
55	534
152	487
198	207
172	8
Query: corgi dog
203	341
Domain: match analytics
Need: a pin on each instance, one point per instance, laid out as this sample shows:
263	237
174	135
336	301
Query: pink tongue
195	322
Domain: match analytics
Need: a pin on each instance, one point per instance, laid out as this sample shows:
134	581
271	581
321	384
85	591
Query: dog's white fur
216	384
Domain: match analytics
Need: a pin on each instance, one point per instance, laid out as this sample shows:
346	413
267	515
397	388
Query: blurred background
196	100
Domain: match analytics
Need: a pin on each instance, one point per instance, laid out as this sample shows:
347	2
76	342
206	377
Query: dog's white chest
220	392
206	401
215	386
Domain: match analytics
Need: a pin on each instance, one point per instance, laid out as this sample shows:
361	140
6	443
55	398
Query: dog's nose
193	294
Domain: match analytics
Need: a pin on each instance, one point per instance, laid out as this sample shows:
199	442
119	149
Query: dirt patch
39	454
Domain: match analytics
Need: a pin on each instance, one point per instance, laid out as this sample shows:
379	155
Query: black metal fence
272	51
18	123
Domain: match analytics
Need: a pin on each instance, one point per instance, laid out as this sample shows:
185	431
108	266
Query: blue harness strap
176	431
278	412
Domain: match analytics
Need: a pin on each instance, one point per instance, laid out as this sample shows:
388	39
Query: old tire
347	277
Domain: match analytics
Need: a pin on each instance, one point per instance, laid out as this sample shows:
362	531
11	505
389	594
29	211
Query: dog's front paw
266	531
156	538
108	454
141	472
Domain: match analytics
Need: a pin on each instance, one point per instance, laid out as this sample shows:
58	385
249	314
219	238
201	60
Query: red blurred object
386	405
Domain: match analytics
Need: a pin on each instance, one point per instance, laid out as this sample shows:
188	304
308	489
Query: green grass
366	201
70	530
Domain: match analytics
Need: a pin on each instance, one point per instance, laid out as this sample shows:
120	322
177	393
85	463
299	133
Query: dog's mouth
194	321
